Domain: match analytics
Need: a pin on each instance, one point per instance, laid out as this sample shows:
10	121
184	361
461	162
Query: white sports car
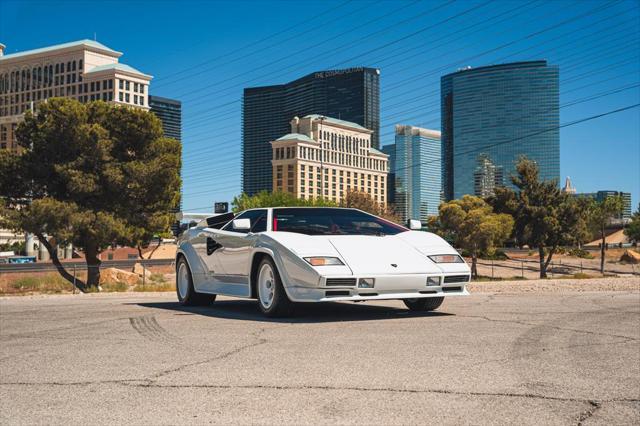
315	254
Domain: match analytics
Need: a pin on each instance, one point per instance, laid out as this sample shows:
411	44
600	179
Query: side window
260	224
258	220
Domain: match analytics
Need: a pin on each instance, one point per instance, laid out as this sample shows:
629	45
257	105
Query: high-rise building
349	94
169	111
600	196
84	70
486	177
326	157
568	187
418	172
390	150
493	115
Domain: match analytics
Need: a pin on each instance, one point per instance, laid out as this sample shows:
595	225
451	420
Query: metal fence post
73	290
551	270
491	268
522	268
581	266
144	272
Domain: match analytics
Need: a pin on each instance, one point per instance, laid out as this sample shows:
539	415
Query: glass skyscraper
493	115
351	94
169	111
417	169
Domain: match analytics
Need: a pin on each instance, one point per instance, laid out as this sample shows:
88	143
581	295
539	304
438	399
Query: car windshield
332	221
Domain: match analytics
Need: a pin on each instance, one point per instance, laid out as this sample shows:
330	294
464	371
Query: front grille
346	282
451	289
456	279
336	293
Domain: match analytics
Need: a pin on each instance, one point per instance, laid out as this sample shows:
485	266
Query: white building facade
324	157
84	70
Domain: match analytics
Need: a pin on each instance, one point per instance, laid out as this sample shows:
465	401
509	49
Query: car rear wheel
272	298
424	304
187	295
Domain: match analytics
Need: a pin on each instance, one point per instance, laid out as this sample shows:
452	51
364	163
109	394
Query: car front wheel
272	298
187	295
424	304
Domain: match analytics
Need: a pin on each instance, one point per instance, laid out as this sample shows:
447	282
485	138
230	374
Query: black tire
280	305
424	304
190	296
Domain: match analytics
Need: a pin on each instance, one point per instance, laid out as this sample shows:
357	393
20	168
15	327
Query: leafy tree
601	215
545	217
275	199
633	229
93	175
362	200
18	247
474	227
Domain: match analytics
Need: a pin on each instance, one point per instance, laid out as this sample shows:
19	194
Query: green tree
474	227
601	215
275	199
545	217
633	229
93	175
362	200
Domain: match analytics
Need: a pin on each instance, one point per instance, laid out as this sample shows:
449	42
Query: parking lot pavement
489	358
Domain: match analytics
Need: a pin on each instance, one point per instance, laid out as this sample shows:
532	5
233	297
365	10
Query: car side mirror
241	224
415	225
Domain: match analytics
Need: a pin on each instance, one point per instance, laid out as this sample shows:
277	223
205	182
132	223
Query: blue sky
204	53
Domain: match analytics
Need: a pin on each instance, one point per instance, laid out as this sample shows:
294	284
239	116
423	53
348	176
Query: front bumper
405	286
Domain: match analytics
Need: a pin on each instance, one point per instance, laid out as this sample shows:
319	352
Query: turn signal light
446	258
323	261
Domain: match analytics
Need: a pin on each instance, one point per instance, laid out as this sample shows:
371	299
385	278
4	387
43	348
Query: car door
235	246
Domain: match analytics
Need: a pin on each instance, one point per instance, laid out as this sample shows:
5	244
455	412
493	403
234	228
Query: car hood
381	255
365	254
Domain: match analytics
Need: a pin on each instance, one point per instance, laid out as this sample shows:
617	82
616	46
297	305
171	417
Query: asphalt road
488	358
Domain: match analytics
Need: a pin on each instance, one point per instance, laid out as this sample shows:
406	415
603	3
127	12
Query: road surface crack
574	330
593	407
257	342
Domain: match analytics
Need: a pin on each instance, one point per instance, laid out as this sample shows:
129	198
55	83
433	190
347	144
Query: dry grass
49	283
155	286
17	284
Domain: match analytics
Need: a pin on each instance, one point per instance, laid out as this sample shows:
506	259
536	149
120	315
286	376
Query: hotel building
351	94
327	157
84	70
493	115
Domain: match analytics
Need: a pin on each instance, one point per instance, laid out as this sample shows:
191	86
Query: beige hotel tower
339	150
84	70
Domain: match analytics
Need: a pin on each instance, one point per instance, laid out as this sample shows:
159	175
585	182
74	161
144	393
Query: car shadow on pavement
246	310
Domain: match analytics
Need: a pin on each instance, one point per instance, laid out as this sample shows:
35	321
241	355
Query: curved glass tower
493	115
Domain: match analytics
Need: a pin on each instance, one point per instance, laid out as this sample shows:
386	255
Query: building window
120	96
110	84
120	84
127	97
126	84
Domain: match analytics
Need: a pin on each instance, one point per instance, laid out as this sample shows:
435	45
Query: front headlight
323	261
446	258
433	281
